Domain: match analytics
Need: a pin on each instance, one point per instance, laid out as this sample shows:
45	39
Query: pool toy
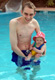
33	52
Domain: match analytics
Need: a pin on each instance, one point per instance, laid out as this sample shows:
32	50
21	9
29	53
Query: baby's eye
37	40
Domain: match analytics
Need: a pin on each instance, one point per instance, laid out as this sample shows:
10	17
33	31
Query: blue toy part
35	63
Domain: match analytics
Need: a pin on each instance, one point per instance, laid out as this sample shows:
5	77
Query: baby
38	48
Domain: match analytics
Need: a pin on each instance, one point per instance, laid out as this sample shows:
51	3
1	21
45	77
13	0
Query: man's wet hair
30	5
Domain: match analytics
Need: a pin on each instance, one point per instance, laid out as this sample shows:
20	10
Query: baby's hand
34	48
38	55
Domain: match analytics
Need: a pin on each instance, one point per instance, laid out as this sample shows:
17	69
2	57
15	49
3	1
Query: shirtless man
21	29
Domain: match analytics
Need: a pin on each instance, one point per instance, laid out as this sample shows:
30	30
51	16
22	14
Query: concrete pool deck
45	9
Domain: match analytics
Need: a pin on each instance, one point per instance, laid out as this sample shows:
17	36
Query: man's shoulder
34	21
13	23
14	20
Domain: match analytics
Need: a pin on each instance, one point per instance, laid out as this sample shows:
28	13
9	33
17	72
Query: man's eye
31	14
40	40
25	13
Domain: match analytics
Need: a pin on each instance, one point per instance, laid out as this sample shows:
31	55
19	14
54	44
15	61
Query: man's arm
45	50
37	27
13	38
31	46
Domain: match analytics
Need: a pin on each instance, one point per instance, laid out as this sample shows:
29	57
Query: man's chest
25	30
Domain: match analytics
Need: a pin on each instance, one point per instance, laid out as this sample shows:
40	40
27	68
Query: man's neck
23	21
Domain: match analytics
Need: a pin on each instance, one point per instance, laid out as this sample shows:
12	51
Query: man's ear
34	13
21	12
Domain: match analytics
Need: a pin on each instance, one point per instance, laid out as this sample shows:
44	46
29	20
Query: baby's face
39	40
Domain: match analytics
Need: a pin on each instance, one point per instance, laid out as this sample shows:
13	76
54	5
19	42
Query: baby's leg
28	57
36	57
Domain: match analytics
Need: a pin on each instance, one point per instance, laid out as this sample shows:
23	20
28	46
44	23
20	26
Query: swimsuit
20	61
33	52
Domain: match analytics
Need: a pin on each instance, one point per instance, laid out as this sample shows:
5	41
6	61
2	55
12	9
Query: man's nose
28	16
39	41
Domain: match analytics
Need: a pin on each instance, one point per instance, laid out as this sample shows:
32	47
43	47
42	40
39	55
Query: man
21	29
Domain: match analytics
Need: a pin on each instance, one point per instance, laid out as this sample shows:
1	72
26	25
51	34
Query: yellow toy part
33	52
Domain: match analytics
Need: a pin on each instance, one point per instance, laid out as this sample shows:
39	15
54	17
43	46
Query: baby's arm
43	50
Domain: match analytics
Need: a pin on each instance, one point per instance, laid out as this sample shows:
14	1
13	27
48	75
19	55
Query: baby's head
39	38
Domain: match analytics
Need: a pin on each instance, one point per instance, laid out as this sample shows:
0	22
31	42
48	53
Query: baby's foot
27	59
34	60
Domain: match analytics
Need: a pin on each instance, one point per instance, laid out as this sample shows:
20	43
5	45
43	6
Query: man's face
28	14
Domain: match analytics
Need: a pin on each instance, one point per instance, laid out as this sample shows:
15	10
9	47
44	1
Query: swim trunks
20	61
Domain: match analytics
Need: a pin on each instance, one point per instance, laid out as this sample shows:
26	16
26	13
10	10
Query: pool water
44	71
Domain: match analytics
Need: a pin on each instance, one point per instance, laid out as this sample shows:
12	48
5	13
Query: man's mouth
27	19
